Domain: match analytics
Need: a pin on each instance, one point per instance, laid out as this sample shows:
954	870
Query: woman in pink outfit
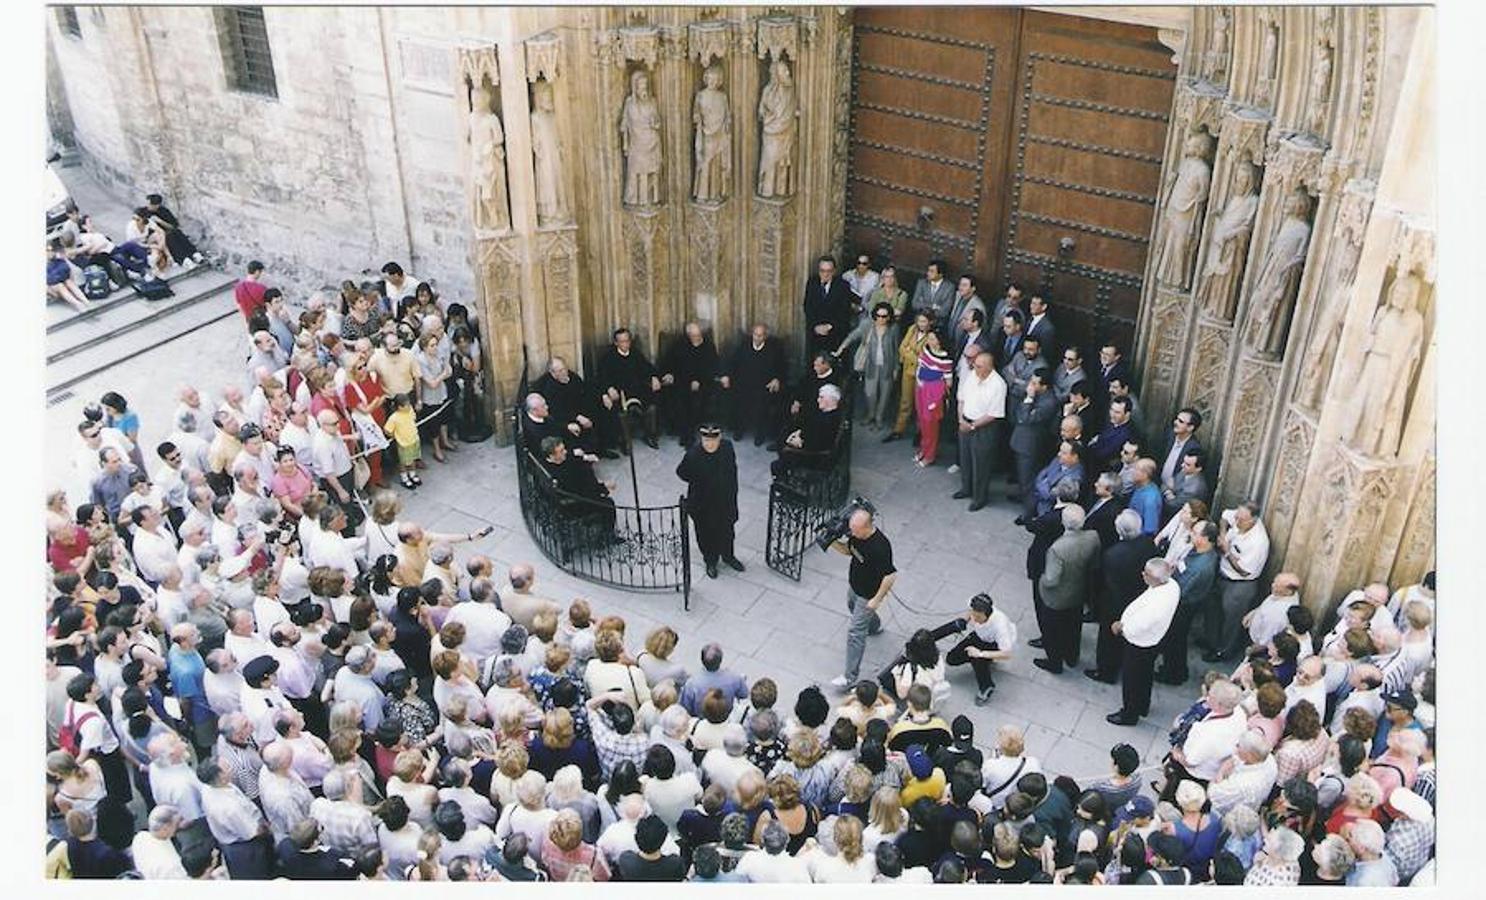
934	370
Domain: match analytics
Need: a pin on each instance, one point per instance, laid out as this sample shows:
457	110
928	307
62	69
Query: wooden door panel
888	52
1097	130
929	175
934	105
1087	167
1137	95
1041	234
909	137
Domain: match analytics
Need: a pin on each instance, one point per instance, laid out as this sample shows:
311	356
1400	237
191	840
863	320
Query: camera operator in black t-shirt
870	578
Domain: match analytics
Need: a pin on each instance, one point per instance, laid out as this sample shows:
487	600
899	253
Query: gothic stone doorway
1020	146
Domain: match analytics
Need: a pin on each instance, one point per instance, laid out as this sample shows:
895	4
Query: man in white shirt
1309	683
620	836
283	795
724	765
398	284
483	621
1251	779
194	449
1244	549
1143	625
1377	619
154	548
1211	739
1271	616
155	856
223	682
243	639
332	461
353	681
298	434
982	409
991	639
329	548
239	828
772	863
172	780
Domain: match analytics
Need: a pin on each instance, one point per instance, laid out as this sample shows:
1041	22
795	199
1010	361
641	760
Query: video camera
837	526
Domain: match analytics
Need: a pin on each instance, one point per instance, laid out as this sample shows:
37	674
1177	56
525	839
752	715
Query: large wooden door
1043	172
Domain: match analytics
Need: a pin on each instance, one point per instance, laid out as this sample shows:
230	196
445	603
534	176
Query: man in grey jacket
934	292
1071	569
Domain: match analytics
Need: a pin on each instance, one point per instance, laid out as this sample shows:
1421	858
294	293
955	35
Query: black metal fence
802	499
646	548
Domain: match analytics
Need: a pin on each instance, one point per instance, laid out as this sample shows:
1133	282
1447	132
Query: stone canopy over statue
778	112
488	154
639	135
1183	213
1279	279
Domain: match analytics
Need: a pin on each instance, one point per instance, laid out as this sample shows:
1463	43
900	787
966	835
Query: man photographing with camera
870	578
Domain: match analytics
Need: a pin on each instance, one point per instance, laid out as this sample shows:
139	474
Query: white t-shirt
762	867
998	629
484	623
983	397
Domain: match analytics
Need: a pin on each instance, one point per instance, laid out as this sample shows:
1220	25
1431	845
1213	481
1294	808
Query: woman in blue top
1200	832
59	281
126	420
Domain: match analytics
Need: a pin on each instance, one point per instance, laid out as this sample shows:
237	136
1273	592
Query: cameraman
870	578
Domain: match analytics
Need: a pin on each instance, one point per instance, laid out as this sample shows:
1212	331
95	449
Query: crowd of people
257	667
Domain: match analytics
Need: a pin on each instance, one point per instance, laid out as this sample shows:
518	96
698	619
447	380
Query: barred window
245	50
67	21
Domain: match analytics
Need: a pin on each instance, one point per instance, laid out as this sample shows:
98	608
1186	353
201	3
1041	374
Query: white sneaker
953	468
840	683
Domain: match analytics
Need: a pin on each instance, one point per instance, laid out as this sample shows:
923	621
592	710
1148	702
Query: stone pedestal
498	290
773	239
710	274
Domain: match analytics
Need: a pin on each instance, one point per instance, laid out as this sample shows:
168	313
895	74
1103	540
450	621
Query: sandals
408	482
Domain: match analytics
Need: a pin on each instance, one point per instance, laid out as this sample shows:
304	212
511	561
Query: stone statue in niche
639	133
1216	63
1347	246
488	153
779	111
713	121
1182	216
1279	278
1320	87
1229	243
1379	395
546	152
1269	60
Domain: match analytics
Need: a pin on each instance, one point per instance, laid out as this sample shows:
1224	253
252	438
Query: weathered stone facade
1313	120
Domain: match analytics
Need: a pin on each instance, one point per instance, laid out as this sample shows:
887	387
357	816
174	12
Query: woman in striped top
934	371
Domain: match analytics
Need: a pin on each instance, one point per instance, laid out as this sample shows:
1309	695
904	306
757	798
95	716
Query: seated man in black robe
813	444
628	384
583	496
689	381
574	407
755	379
823	371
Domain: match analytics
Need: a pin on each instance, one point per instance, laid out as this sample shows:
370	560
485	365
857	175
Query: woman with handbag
875	360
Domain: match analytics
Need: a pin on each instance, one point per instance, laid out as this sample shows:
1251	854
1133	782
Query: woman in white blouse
1175	540
849	865
923	665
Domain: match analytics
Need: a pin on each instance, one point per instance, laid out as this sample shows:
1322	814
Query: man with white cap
1410	839
354	681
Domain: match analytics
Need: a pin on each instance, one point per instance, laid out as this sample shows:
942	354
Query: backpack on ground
96	285
153	289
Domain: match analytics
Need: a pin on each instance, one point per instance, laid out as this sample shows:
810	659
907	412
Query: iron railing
803	499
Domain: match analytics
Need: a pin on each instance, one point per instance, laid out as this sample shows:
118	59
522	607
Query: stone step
184	282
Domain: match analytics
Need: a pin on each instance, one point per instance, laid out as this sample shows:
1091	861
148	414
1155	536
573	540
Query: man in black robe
710	470
628	384
586	497
828	307
176	243
536	423
689	378
574	407
813	444
755	378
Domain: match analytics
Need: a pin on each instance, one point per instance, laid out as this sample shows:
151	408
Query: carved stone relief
1334	295
1273	296
542	53
712	119
1215	60
1297	437
779	113
1322	64
709	41
706	258
1181	217
640	142
1416	550
1269	58
1375	488
1377	399
641	236
1228	245
557	253
778	37
1169	324
1210	362
549	170
1257	384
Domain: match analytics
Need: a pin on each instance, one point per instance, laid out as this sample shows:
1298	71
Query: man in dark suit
1067	465
587	496
710	470
1040	325
828	312
628	384
1111	366
1011	300
574	407
1008	344
974	340
755	377
303	858
823	371
1081	403
1197	579
1180	439
813	444
1105	448
933	292
1033	417
1122	569
689	376
1103	507
1067	578
1046	529
1190	484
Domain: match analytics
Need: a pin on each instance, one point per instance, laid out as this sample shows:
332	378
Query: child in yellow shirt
403	429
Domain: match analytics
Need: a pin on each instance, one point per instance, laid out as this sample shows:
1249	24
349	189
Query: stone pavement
766	623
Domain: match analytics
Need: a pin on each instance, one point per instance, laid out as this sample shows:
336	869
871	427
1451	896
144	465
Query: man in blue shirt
1197	578
1146	499
1066	466
713	675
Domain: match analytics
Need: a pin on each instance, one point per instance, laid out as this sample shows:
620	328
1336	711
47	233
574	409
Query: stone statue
1374	418
713	121
1274	288
546	152
1229	244
639	132
1217	56
1268	61
1347	247
1182	216
778	109
488	154
1320	87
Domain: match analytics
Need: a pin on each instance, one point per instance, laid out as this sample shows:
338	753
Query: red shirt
61	554
249	296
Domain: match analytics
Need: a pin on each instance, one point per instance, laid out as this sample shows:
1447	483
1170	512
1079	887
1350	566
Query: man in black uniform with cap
710	470
625	375
689	377
755	377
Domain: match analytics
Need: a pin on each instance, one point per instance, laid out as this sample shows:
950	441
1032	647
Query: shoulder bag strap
1010	781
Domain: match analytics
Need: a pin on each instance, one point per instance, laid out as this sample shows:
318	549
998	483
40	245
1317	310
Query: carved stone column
714	178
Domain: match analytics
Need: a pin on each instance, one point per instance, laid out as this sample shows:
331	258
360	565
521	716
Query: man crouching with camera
870	578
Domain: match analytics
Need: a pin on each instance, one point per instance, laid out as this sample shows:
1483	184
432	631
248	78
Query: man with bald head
281	792
519	599
332	465
869	580
689	378
573	406
755	379
1271	616
1142	626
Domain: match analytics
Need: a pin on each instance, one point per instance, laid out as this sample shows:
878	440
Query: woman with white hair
1278	863
1201	832
1334	859
1006	763
566	792
529	815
